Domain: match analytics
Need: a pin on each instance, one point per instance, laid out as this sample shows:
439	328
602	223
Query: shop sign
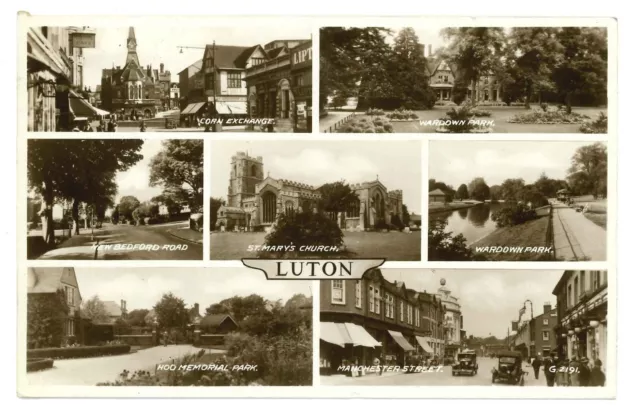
302	91
83	39
301	58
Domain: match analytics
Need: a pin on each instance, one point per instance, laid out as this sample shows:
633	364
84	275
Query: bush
39	364
480	113
374	112
444	246
402	114
463	115
382	225
397	222
544	106
77	352
513	215
548	117
305	229
598	126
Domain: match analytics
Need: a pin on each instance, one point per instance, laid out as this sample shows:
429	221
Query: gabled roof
112	308
216	320
49	279
196	66
437	192
244	56
228	56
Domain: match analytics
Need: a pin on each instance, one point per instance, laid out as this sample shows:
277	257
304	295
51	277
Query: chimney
429	50
196	308
161	68
547	307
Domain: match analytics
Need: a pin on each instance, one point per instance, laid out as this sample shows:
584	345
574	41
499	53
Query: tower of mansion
255	202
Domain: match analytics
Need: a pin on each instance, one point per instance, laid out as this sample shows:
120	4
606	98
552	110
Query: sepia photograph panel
115	199
147	327
169	79
422	327
316	199
439	79
517	201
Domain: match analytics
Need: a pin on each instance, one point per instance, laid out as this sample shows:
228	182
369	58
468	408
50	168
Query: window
545	322
388	306
417	317
582	277
576	292
234	80
545	335
446	79
359	294
569	296
376	295
298	80
71	329
257	61
337	292
374	299
210	81
68	293
401	311
353	210
288	208
410	314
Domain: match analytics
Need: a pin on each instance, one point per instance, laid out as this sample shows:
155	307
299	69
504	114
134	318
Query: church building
254	201
134	91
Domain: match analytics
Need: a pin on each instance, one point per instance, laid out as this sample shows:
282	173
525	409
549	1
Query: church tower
245	173
132	55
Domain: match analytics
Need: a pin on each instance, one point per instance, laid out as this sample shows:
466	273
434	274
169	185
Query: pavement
94	370
333	118
575	237
116	242
434	378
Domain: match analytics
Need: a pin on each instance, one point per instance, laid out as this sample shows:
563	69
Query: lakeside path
94	370
575	237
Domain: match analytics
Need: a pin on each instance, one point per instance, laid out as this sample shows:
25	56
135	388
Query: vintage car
466	364
448	360
509	368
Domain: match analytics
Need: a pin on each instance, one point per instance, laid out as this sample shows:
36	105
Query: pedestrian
378	366
562	373
536	363
598	378
573	372
550	371
584	372
143	127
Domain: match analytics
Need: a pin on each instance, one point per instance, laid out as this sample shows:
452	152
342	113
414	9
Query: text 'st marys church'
255	202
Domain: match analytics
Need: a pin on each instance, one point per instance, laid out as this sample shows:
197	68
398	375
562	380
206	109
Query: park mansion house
442	76
255	202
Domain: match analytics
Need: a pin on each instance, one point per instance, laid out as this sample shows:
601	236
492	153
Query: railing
549	236
335	126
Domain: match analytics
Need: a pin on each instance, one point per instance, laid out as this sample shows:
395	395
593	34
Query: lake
473	223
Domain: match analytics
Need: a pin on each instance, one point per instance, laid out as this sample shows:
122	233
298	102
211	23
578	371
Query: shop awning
192	108
82	108
360	336
402	342
342	334
422	341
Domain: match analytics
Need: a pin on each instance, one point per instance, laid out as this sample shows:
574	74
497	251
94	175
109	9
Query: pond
473	223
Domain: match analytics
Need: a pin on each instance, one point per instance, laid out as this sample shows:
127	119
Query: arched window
288	208
268	207
353	211
253	171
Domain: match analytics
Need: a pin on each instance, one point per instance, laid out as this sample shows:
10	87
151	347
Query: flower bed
553	117
445	103
462	119
39	364
598	126
77	352
402	115
367	124
374	112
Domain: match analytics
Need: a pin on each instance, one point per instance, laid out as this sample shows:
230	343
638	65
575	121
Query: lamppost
214	113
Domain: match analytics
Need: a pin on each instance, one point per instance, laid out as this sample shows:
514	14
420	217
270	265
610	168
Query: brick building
376	318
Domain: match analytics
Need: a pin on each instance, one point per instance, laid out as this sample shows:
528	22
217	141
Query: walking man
550	371
536	366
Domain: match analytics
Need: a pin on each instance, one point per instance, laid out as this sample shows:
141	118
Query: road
116	243
442	378
576	238
94	370
333	118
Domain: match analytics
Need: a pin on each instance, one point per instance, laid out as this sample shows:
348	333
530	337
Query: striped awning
342	334
402	342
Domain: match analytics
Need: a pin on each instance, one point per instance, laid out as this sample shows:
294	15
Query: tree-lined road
116	241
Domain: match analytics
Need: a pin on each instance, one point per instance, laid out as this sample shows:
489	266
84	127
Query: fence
335	126
549	237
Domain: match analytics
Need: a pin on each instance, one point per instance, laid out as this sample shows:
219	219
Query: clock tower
132	55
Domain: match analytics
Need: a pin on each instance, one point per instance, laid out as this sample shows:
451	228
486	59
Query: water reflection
474	222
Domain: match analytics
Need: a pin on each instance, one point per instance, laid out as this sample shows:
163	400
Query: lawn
394	246
528	234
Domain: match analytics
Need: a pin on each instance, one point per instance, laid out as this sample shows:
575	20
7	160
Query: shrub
598	126
77	352
444	246
374	112
382	225
152	221
462	115
402	114
305	229
397	222
548	117
39	364
378	122
379	130
513	215
480	113
388	127
544	106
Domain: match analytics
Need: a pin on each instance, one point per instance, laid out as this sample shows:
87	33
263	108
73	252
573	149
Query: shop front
269	93
346	344
397	349
301	86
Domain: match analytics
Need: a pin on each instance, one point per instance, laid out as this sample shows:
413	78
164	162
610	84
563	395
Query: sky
458	162
489	299
160	45
135	181
143	287
426	36
397	163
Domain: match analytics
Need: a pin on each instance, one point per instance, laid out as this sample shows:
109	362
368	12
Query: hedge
39	364
77	352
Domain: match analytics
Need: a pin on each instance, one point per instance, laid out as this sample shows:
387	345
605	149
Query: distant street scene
142	327
115	199
514	201
285	199
168	79
412	327
439	79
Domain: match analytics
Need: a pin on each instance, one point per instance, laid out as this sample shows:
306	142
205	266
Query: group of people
577	371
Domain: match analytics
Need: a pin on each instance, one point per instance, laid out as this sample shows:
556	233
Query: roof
215	320
49	279
227	56
196	66
436	192
112	308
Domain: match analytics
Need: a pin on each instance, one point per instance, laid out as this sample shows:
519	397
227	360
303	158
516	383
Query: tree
511	189
46	315
444	246
409	65
463	192
448	190
336	197
582	67
495	192
171	312
478	189
179	166
126	207
137	317
239	307
95	310
214	205
298	301
172	199
406	217
476	51
588	171
115	215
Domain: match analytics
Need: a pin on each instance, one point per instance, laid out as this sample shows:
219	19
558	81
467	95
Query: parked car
448	360
466	364
509	369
